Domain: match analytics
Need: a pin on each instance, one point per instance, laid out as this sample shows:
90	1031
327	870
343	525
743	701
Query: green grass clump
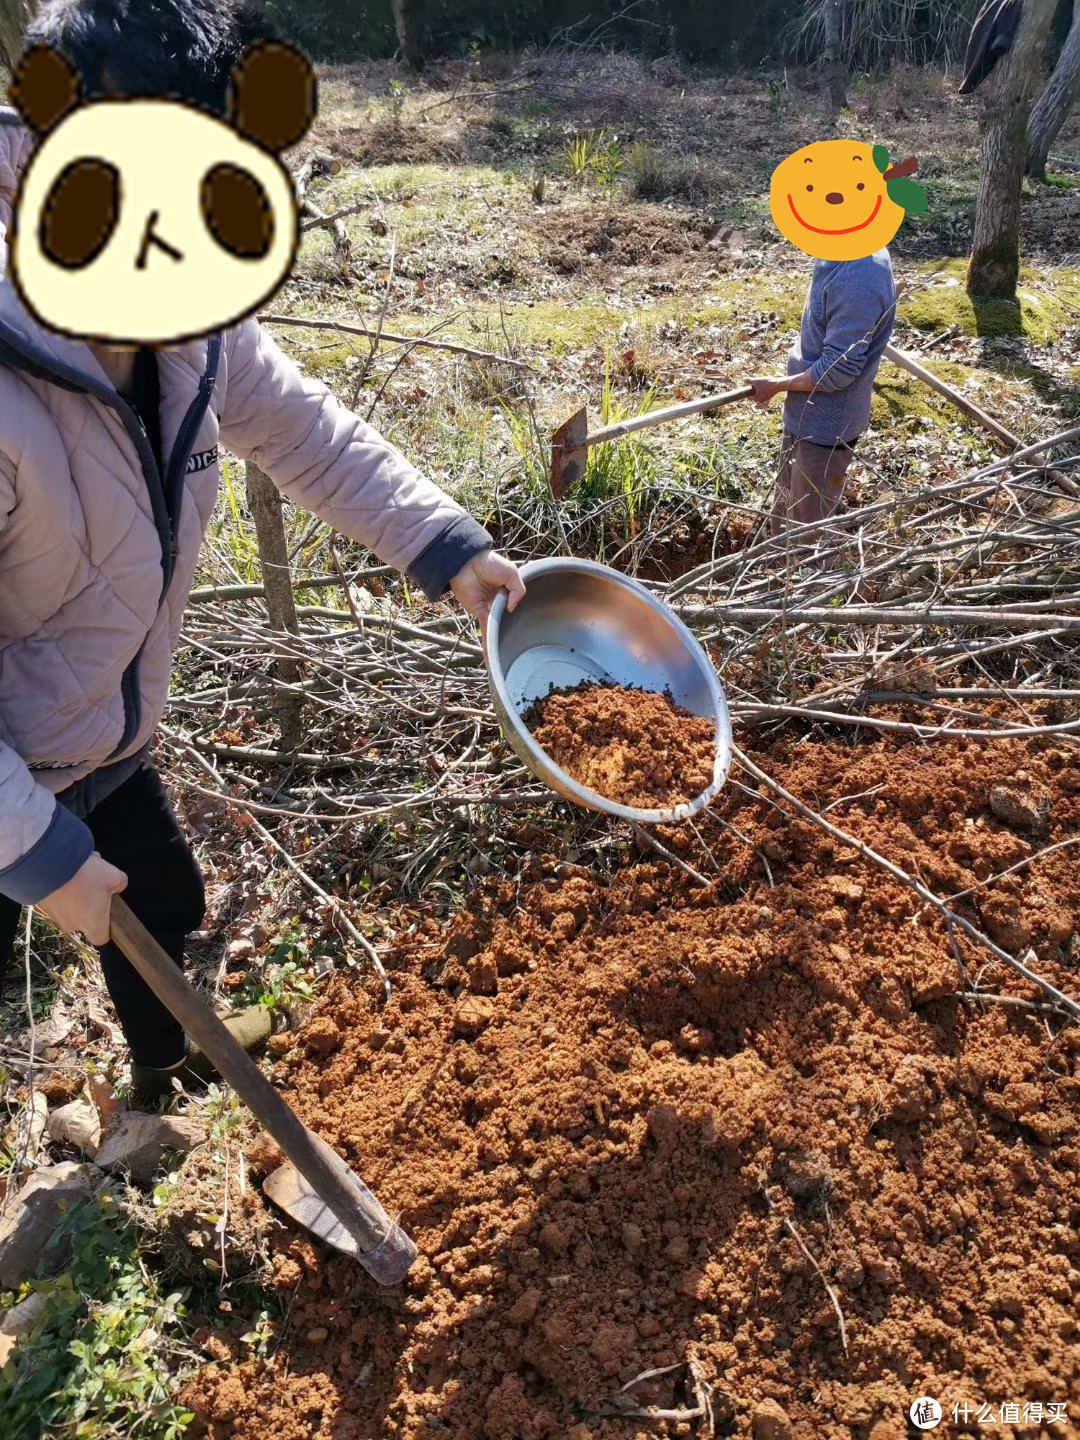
325	358
97	1365
1042	311
898	397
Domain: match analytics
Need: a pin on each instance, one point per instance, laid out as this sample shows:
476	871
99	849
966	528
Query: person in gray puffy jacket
108	476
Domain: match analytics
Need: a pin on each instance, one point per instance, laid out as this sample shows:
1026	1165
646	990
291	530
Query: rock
1047	1129
725	1128
558	1332
555	1238
30	1128
1005	924
1023	804
19	1321
693	1285
1059	925
77	1124
138	1142
32	1215
678	1249
1022	1098
317	1335
808	1176
912	1094
844	889
221	1345
473	1014
693	1039
770	1422
484	976
850	1272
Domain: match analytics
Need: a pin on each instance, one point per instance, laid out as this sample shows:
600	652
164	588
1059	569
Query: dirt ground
595	1104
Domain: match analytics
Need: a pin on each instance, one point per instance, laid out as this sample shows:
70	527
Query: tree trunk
15	15
835	69
264	502
1054	103
995	255
408	41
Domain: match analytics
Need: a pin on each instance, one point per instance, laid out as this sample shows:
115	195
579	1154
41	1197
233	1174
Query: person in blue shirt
846	324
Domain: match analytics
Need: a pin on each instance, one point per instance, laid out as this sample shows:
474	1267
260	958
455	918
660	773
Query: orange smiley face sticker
840	200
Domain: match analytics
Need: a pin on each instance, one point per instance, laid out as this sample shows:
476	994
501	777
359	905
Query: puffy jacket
98	549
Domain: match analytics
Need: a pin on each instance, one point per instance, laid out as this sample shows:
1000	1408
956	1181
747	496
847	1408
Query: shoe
250	1028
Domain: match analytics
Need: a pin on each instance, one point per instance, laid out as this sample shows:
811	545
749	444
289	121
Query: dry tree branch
790	1228
331	901
419	341
320	222
668	855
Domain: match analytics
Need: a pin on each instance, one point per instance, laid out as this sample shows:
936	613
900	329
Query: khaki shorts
809	481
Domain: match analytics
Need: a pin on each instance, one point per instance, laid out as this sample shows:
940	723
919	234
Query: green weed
578	157
98	1368
282	982
398	95
608	164
595	155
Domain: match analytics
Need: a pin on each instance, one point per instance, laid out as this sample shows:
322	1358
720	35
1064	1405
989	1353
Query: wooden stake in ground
264	502
995	254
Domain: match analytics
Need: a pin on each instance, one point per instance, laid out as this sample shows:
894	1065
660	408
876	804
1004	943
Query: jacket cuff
439	562
51	862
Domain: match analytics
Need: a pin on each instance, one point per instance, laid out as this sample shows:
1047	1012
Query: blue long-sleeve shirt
846	324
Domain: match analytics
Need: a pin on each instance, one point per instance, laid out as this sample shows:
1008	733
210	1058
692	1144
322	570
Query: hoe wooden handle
673	412
352	1203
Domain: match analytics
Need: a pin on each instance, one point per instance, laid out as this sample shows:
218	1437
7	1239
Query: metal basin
582	621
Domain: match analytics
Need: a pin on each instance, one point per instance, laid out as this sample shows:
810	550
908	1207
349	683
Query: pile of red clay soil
595	1103
636	747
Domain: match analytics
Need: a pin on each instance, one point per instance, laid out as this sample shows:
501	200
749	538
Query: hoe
315	1187
571	442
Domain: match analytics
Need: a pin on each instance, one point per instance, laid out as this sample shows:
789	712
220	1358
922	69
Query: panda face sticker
150	221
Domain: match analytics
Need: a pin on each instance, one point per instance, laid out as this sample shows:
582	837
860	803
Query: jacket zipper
175	471
172	493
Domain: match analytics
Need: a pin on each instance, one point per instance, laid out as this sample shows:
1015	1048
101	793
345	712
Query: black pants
136	830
